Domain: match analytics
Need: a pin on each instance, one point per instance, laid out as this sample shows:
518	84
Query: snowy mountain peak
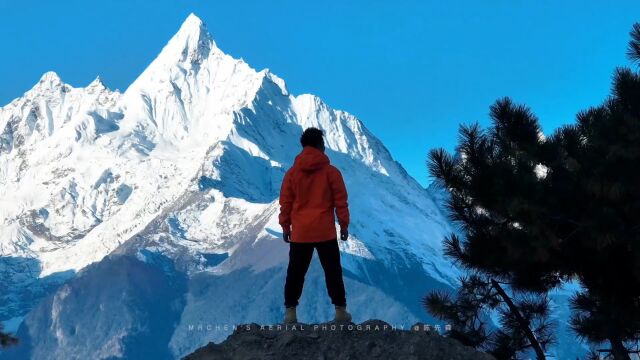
193	27
97	83
192	22
49	81
190	45
277	80
50	76
189	93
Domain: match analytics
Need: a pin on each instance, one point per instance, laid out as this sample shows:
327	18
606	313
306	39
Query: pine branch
633	51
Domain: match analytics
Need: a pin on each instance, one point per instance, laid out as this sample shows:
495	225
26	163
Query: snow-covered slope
163	200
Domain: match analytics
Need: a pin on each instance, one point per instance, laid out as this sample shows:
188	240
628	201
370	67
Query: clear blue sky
411	70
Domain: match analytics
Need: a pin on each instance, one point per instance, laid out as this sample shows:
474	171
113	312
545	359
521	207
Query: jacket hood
311	159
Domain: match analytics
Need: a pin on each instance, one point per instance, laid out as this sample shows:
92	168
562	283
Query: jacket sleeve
339	192
286	203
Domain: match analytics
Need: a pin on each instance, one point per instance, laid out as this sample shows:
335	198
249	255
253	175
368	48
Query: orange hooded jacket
311	190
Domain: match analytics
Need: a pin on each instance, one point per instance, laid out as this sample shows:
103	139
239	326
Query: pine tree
594	178
496	194
535	212
469	314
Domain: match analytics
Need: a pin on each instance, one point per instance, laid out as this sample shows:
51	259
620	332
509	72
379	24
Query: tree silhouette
496	194
595	180
469	314
536	211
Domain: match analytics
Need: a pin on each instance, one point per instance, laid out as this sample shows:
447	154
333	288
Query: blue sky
411	70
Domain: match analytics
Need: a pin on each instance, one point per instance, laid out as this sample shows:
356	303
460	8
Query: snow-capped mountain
175	181
144	223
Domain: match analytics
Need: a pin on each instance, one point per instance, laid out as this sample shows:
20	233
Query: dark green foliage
535	310
497	197
535	212
634	44
468	313
597	159
594	318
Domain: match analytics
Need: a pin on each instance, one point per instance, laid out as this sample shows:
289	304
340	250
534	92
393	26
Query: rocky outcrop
372	339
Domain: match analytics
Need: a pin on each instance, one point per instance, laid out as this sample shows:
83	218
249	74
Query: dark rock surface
373	339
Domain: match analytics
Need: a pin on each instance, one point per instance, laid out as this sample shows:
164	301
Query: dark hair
312	137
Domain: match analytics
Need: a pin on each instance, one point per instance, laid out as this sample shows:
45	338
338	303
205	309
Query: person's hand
286	237
344	235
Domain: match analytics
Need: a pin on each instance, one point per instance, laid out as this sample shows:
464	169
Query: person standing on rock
312	191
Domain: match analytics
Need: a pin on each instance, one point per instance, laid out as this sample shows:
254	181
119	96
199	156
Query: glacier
143	224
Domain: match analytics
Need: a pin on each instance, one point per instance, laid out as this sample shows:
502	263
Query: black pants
299	259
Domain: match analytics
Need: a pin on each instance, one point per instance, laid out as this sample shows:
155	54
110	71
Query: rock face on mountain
372	339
